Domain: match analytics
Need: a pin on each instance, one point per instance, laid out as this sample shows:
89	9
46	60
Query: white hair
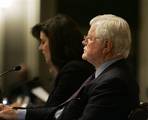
116	29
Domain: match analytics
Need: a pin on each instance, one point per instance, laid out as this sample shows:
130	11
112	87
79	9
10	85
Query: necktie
78	91
61	108
84	84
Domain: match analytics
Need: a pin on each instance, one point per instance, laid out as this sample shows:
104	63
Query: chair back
139	113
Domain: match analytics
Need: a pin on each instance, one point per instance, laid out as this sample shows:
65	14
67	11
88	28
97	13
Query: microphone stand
2	74
16	68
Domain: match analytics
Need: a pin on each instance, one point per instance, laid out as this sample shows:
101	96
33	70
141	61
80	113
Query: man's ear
107	46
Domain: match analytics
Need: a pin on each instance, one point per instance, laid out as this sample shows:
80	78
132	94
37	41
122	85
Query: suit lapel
74	96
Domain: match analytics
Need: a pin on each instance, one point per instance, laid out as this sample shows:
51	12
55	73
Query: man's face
93	47
44	47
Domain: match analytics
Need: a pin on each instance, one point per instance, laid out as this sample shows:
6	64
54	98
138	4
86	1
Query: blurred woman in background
61	44
60	41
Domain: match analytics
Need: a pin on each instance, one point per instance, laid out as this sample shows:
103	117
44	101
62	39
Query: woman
60	43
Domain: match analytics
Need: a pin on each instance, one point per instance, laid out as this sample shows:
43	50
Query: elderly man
113	93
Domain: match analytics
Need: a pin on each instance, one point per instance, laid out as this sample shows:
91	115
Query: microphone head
16	68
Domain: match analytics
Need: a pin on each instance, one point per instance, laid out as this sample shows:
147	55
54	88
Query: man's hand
7	113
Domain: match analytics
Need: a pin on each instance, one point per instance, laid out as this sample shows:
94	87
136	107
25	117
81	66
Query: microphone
28	108
15	68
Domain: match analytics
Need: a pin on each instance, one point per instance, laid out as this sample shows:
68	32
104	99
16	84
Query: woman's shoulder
78	64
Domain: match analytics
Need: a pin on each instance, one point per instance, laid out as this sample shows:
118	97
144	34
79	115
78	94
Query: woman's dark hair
65	39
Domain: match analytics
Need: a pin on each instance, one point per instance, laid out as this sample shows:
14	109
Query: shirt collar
104	66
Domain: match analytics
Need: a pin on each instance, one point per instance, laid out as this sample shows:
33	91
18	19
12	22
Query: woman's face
44	47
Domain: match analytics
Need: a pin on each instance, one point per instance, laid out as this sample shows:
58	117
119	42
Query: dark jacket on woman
69	79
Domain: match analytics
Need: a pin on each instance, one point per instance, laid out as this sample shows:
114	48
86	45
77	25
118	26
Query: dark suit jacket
111	96
67	82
